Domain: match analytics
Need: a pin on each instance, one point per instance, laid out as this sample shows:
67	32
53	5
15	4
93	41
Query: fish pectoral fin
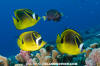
58	39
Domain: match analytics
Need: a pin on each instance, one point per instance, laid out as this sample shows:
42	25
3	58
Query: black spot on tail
40	41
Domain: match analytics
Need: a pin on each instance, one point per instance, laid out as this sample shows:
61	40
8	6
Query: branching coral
3	61
45	57
23	56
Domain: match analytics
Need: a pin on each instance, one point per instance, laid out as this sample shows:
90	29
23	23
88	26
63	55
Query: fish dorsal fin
58	39
30	12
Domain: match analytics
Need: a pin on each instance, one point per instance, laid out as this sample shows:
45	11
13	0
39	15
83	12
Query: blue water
78	15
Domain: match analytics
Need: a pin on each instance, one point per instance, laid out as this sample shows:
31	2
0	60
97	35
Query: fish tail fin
44	18
14	20
58	39
62	14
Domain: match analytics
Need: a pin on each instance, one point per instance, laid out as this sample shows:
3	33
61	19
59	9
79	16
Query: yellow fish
30	41
70	43
25	18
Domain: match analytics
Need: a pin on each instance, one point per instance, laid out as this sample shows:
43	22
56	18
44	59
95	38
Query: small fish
53	15
25	18
30	41
70	42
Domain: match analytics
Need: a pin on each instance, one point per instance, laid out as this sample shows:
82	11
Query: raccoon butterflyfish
53	14
25	18
30	41
70	43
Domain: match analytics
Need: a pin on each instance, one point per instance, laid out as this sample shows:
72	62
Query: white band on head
81	45
33	15
37	40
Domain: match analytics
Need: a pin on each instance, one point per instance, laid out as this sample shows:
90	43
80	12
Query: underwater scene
50	33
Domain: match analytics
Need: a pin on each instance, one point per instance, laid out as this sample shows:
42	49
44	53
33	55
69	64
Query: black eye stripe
36	17
83	47
40	41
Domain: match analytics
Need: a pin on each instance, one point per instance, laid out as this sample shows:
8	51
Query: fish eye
17	20
33	16
62	40
22	41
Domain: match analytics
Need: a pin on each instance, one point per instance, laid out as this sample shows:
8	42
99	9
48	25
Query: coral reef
79	60
46	55
92	46
3	61
12	61
94	58
23	56
93	55
18	65
49	54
